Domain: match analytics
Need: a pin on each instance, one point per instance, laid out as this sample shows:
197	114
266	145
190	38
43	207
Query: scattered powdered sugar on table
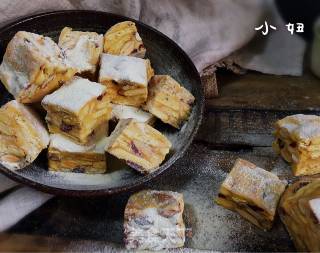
198	178
90	179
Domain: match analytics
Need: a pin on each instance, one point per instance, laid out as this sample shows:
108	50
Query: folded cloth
279	52
6	183
208	30
18	204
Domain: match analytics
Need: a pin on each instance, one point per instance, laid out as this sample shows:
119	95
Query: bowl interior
166	58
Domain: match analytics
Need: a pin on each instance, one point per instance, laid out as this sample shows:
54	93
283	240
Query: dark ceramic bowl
166	57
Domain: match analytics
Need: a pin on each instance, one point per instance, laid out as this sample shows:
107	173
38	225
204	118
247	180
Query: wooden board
267	92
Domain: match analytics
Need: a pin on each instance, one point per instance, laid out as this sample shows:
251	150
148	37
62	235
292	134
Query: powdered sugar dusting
159	232
16	80
34	120
62	143
79	55
75	94
248	180
44	46
25	53
130	112
315	207
302	126
153	221
123	68
90	179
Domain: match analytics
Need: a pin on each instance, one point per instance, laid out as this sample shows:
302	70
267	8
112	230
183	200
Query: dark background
300	11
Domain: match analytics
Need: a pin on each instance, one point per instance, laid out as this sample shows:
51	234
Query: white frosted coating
25	53
315	207
34	120
148	227
130	112
62	143
16	80
255	181
79	56
75	94
304	127
123	68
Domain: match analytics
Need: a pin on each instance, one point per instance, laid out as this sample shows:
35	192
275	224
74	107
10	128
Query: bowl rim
143	179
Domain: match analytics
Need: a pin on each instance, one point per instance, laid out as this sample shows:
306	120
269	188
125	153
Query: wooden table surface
240	119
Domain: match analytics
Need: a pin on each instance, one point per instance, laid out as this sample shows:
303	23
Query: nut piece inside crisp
67	156
168	100
153	221
297	139
140	145
126	78
80	110
252	192
33	66
22	135
81	49
124	39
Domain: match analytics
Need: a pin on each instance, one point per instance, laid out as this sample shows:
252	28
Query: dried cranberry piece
167	213
141	47
281	144
255	208
293	144
134	165
78	170
65	127
220	195
162	197
189	233
143	221
135	149
53	157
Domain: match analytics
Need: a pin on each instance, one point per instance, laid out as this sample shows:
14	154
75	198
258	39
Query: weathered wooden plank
209	81
38	243
227	128
267	92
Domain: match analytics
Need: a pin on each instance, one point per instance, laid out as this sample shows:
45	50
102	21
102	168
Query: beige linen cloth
208	30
